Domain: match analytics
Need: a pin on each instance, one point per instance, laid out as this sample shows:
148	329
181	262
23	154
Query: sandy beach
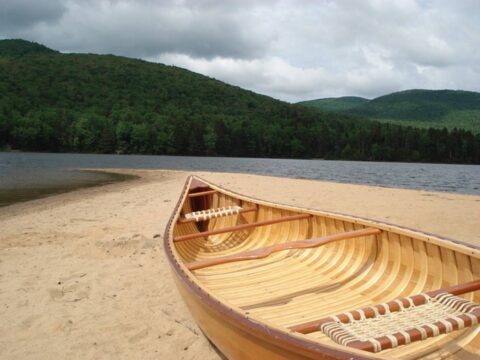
83	274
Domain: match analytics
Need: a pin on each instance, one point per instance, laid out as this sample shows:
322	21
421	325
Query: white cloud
278	78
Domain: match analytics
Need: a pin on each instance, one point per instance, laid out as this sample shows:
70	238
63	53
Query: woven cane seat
377	328
213	213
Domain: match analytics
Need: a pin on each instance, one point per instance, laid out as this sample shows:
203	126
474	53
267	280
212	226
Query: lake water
24	176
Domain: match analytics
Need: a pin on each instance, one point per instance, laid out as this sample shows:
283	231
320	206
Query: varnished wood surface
296	286
230	229
201	193
268	250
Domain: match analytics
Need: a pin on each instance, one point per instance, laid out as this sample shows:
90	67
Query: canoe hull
397	256
235	341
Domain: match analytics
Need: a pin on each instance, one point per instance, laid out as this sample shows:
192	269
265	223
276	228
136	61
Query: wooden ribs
266	251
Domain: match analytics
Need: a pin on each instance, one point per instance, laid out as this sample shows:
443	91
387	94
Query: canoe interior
295	286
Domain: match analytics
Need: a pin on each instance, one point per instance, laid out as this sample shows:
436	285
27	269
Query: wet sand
38	184
83	274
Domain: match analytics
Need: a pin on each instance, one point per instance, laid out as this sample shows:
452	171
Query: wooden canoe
259	277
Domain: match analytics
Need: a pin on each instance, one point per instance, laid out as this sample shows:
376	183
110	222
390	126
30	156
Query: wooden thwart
268	250
202	193
240	227
312	326
242	211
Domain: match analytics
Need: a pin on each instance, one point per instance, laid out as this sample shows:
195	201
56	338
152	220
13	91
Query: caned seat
213	213
387	326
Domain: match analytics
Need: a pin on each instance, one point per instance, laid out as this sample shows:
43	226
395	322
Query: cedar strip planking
266	251
241	227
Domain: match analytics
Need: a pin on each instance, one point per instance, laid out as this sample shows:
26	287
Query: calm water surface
29	175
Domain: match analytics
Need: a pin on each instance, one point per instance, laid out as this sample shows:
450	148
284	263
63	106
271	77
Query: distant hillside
335	104
18	47
109	104
421	108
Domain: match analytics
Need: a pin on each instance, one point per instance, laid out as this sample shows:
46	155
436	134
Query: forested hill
422	108
339	104
16	48
108	104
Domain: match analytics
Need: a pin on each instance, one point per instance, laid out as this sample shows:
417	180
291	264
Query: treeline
294	135
108	104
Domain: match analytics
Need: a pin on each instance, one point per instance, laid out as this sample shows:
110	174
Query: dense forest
419	108
339	104
109	104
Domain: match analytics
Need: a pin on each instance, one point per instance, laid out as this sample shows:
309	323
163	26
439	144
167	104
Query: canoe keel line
271	281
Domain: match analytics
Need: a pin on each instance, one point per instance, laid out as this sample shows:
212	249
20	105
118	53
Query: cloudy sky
292	49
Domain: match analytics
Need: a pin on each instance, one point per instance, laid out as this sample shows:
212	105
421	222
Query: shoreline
144	176
236	157
42	190
417	176
131	174
83	273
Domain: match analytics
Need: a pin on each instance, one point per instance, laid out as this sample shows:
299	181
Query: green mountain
18	47
109	104
420	108
335	104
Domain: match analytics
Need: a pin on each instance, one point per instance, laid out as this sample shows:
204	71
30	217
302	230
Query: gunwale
265	330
